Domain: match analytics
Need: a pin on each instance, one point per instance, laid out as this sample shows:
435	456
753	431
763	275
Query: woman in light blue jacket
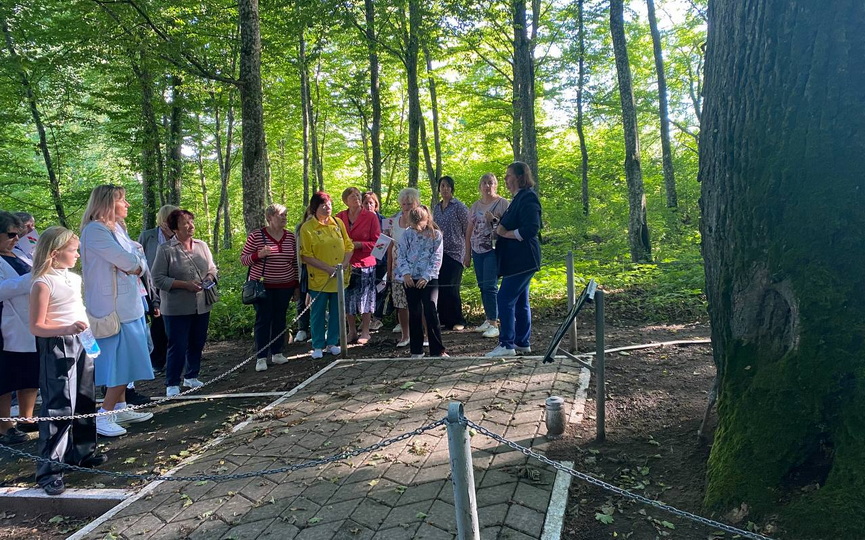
111	265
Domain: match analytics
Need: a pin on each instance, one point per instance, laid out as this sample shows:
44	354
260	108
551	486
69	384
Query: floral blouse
419	255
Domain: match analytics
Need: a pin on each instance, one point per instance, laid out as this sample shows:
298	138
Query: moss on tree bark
783	236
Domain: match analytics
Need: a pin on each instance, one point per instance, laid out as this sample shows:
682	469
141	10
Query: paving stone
435	472
526	520
502	493
279	529
490	533
443	516
422	492
535	497
144	527
324	531
336	511
209	529
386	492
370	513
177	529
492	515
357	490
318	490
352	530
248	531
401	473
299	511
407	515
406	532
430	532
508	533
496	477
233	510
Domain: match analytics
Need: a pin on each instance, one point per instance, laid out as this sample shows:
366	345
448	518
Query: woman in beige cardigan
183	272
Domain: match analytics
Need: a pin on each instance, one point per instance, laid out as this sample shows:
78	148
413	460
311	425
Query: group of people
420	273
65	344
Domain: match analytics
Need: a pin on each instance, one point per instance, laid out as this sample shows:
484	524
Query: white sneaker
417	355
335	350
107	427
376	325
491	332
192	383
279	358
131	417
482	328
500	351
459	327
301	336
171	391
522	350
397	329
317	354
403	343
261	364
425	343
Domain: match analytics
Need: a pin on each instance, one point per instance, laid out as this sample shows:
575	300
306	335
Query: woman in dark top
518	253
19	363
452	216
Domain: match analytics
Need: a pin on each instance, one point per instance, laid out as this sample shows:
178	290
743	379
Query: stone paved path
401	491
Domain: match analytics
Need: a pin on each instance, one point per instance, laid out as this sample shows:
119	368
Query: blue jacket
523	215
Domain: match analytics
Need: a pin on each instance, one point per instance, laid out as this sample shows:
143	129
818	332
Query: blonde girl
66	373
418	261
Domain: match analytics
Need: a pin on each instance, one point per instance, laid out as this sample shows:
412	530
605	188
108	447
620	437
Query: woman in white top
111	264
409	199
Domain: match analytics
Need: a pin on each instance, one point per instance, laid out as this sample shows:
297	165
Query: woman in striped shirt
271	254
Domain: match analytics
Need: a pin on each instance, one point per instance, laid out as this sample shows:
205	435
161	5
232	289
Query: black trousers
67	386
422	304
160	343
450	304
270	321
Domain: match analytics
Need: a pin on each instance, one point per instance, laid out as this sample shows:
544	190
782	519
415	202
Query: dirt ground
656	399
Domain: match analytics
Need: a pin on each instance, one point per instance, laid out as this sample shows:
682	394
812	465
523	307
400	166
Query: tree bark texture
413	89
254	160
151	146
581	85
375	97
53	181
783	227
305	109
224	159
663	110
433	97
175	142
638	228
525	66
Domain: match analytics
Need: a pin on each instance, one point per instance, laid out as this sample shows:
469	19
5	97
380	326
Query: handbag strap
188	256
263	261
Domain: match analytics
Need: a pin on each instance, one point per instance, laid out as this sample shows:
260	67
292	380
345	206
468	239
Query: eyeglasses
12	234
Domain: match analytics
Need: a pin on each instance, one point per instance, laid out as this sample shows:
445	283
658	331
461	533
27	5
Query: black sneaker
14	436
94	460
28	427
55	487
133	397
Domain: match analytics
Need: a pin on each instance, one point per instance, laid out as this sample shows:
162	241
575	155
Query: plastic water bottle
89	343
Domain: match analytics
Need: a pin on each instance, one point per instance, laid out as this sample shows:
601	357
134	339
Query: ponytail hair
50	241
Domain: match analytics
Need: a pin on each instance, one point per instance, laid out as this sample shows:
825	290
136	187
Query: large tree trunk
175	142
305	108
414	113
783	227
224	158
375	97
254	161
663	110
581	85
53	181
151	146
433	96
638	229
524	70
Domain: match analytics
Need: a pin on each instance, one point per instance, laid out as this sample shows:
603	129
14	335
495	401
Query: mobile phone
207	283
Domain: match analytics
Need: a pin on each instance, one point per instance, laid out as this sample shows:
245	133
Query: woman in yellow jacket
324	243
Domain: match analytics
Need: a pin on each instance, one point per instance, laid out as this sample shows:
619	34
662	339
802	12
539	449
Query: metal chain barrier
609	487
226	477
181	394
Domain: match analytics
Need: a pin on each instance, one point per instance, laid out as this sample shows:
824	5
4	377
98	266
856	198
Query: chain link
609	487
160	401
226	477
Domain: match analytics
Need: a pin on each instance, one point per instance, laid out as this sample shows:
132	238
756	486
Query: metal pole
462	474
572	298
340	302
600	393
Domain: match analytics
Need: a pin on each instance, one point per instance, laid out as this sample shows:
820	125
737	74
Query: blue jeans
321	336
186	337
486	273
515	314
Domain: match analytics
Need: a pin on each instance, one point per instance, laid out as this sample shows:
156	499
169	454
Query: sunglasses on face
12	234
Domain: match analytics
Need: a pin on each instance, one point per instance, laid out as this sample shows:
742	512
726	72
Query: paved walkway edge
93	525
555	520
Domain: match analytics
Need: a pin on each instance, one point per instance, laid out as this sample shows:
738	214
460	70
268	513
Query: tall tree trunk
581	85
433	94
151	145
430	171
305	108
516	113
202	179
525	66
319	125
375	97
254	161
663	110
783	228
53	181
638	229
175	142
414	112
224	157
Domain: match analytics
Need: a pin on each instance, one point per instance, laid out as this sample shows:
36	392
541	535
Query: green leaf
407	385
604	518
313	521
57	519
668	525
